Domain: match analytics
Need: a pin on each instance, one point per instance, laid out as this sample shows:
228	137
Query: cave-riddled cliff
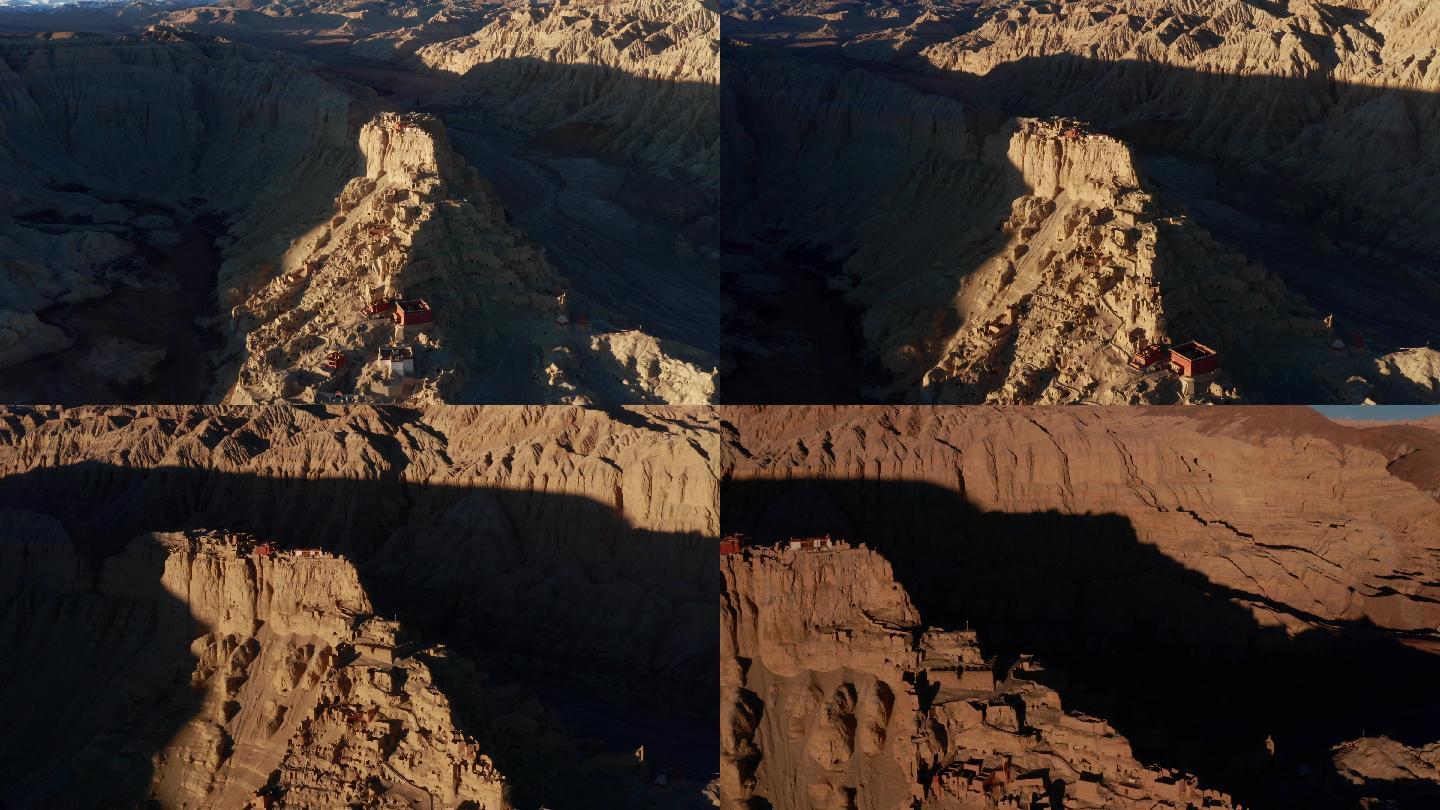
214	590
1246	595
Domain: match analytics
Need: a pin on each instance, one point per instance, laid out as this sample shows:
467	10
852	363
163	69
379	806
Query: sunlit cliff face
883	149
1127	521
484	533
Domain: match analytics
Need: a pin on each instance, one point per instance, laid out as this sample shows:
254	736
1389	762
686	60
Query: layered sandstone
418	224
1191	482
1097	266
375	31
98	248
181	274
836	694
1023	263
634	79
552	546
283	688
664	40
1179	574
891	172
1373	51
421	225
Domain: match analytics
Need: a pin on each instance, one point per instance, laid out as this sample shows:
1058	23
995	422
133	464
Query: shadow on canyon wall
1173	661
210	134
601	167
612	231
619	249
1378	286
611	624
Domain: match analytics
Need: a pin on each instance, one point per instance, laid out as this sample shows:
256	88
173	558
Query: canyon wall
170	116
1202	486
1242	133
566	549
1008	260
121	206
519	505
1311	88
418	223
113	150
635	80
1184	574
197	673
836	695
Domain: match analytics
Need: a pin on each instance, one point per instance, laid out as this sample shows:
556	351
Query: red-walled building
1193	359
412	311
1147	356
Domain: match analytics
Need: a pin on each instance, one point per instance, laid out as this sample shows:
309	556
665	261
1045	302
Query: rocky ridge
1361	48
92	236
650	38
631	80
1095	267
836	694
1162	471
1091	257
1334	237
530	541
1184	570
89	249
634	79
293	692
418	224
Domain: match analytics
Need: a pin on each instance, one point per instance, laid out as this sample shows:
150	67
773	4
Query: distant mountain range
32	5
48	3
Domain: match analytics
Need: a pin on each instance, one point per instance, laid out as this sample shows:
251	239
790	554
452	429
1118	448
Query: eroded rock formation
836	694
553	547
636	79
292	693
1276	236
1184	575
147	261
1239	53
417	225
115	151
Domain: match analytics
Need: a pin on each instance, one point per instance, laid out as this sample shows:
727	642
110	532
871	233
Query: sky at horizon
1378	412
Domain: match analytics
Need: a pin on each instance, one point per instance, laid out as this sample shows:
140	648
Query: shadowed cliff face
99	652
612	175
1303	169
906	183
645	250
146	178
610	622
184	671
1168	658
1195	668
